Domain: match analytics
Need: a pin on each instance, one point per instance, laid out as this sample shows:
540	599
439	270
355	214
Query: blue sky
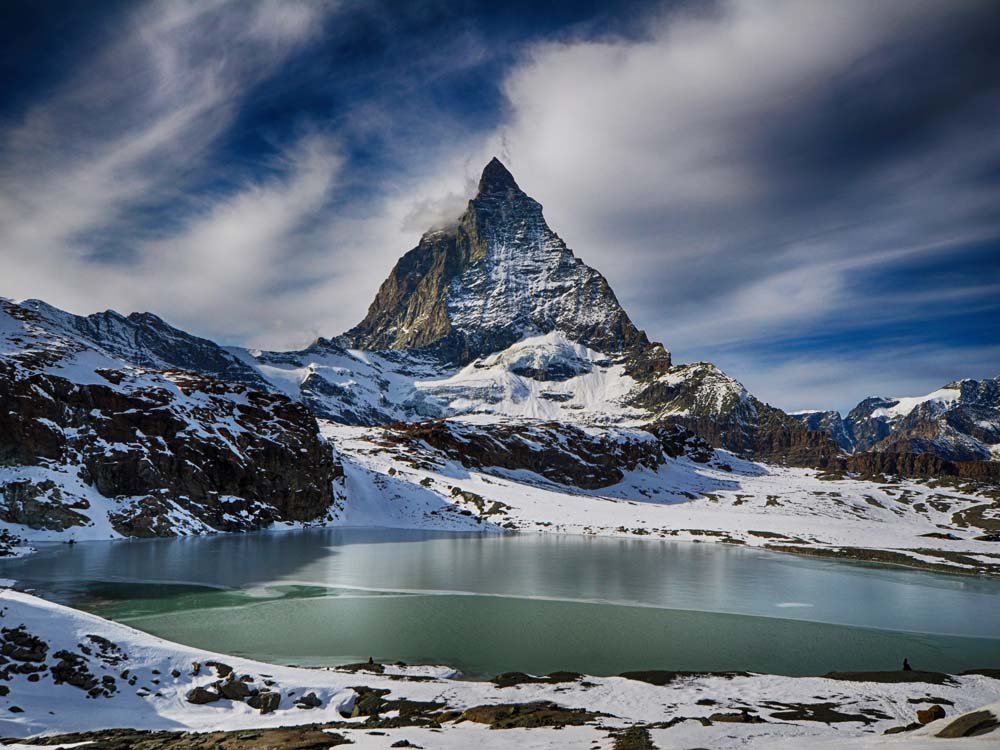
805	193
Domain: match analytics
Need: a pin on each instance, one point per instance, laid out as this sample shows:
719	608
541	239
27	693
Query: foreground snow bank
67	671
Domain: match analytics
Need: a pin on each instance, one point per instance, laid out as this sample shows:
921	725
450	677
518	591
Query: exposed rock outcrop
175	450
561	452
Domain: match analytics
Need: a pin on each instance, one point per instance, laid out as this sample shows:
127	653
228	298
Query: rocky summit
495	276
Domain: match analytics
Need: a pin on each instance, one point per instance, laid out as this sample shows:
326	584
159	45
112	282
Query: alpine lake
536	603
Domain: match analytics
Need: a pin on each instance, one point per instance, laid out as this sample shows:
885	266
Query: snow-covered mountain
495	276
119	426
494	315
959	422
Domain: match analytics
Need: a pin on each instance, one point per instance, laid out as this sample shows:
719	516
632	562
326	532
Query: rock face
713	405
146	341
560	452
829	422
161	452
495	276
957	423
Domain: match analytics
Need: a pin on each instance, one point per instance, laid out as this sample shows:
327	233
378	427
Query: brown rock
929	714
266	701
234	690
970	725
201	695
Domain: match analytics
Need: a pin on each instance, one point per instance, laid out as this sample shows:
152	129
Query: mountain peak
496	178
495	277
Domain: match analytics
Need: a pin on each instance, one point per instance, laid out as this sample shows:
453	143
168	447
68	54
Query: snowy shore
66	671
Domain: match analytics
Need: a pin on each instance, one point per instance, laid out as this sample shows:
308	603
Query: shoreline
858	556
148	684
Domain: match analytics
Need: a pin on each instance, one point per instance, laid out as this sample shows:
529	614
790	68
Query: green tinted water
535	603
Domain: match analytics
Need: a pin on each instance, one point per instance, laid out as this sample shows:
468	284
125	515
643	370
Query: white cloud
126	130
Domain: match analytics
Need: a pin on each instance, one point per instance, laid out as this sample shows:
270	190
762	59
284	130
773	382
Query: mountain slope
93	444
829	422
495	276
145	340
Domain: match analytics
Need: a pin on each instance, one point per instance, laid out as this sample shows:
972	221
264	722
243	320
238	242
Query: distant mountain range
959	422
491	316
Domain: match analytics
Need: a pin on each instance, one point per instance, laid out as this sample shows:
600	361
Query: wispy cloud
127	131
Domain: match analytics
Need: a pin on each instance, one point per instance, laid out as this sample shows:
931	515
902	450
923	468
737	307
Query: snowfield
150	678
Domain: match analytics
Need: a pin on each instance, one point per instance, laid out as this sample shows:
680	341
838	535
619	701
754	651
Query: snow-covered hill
94	445
66	671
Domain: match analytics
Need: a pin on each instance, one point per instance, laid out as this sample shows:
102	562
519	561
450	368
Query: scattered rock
634	738
933	713
309	700
287	738
223	670
826	713
527	715
20	645
899	730
234	690
366	666
201	695
265	701
970	725
510	679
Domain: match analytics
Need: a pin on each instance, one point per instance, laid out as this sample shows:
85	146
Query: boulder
234	690
309	700
970	725
932	713
265	702
200	695
223	670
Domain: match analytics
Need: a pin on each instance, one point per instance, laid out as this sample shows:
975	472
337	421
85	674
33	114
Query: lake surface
536	603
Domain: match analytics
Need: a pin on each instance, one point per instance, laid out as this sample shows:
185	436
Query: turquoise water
536	603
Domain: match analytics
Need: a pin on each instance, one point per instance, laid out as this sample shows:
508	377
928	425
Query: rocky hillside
561	452
959	422
496	275
829	422
715	406
539	334
92	442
